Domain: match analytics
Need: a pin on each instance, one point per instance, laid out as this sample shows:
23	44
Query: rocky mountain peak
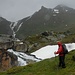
63	7
43	8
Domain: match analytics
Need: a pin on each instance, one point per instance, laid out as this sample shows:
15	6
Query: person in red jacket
61	55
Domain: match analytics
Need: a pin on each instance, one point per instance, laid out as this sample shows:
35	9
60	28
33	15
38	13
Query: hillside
45	67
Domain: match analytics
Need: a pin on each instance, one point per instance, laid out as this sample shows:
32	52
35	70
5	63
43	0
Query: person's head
59	43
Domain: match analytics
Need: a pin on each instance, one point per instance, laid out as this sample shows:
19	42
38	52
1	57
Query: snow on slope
48	51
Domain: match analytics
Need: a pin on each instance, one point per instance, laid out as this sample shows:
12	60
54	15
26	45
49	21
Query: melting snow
66	10
56	11
48	51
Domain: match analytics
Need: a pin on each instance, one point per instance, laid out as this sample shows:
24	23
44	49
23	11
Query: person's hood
59	43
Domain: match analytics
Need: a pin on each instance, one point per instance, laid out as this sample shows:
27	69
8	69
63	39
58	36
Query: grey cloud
14	10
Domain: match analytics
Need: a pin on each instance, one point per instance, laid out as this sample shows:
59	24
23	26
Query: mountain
4	26
60	18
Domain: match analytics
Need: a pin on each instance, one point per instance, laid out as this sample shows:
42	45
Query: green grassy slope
45	67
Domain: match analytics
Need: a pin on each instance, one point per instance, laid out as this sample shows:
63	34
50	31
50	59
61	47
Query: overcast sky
14	10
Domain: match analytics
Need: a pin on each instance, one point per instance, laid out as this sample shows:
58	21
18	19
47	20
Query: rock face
7	60
7	41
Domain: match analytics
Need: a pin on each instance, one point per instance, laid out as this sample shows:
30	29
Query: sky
43	53
14	10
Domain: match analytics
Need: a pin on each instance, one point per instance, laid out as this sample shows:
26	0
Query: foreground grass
45	67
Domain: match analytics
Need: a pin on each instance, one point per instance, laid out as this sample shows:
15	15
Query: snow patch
48	51
56	11
66	10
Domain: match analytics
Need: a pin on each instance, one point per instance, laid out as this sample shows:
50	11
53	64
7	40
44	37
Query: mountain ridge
60	18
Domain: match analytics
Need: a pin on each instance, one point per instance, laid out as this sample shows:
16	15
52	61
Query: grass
70	38
45	67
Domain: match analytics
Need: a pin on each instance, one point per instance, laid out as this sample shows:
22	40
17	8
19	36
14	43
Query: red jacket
60	49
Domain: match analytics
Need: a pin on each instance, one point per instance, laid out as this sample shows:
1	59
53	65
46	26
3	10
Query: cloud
14	10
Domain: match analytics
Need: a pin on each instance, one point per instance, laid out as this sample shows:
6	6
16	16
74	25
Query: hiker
61	55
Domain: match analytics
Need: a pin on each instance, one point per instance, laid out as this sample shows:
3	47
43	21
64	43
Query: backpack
65	49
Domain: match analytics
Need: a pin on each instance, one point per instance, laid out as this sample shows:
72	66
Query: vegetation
69	38
45	67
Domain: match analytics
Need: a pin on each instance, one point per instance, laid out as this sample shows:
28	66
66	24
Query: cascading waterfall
13	25
23	58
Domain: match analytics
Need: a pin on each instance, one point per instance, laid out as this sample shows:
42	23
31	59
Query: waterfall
24	58
13	25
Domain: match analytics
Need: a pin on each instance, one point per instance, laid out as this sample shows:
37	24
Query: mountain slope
34	24
4	26
60	18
